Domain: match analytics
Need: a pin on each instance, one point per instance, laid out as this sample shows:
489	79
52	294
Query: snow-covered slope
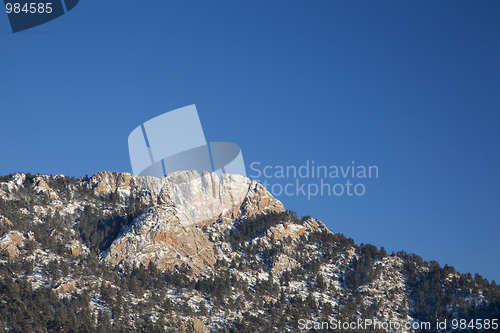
197	253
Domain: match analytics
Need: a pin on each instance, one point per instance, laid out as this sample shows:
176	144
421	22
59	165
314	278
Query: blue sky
411	87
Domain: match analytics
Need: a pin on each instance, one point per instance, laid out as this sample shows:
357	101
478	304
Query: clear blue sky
412	87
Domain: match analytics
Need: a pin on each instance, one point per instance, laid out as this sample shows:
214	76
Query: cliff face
158	236
169	234
199	200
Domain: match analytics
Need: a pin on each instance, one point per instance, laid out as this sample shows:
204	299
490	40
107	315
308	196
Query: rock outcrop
158	236
68	287
289	231
169	233
197	199
11	241
194	325
8	189
283	263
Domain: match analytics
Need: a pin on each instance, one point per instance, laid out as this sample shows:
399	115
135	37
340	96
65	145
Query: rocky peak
169	233
199	200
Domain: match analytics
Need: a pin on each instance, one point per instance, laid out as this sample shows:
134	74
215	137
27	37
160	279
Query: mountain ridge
197	253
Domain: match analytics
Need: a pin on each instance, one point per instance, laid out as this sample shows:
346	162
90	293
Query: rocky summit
169	233
201	253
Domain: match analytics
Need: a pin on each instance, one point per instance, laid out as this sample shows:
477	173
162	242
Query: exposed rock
194	325
197	200
10	242
158	236
76	248
168	233
283	263
8	189
18	179
66	287
282	231
294	231
314	225
108	182
40	184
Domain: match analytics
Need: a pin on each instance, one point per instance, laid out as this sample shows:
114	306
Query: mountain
189	253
